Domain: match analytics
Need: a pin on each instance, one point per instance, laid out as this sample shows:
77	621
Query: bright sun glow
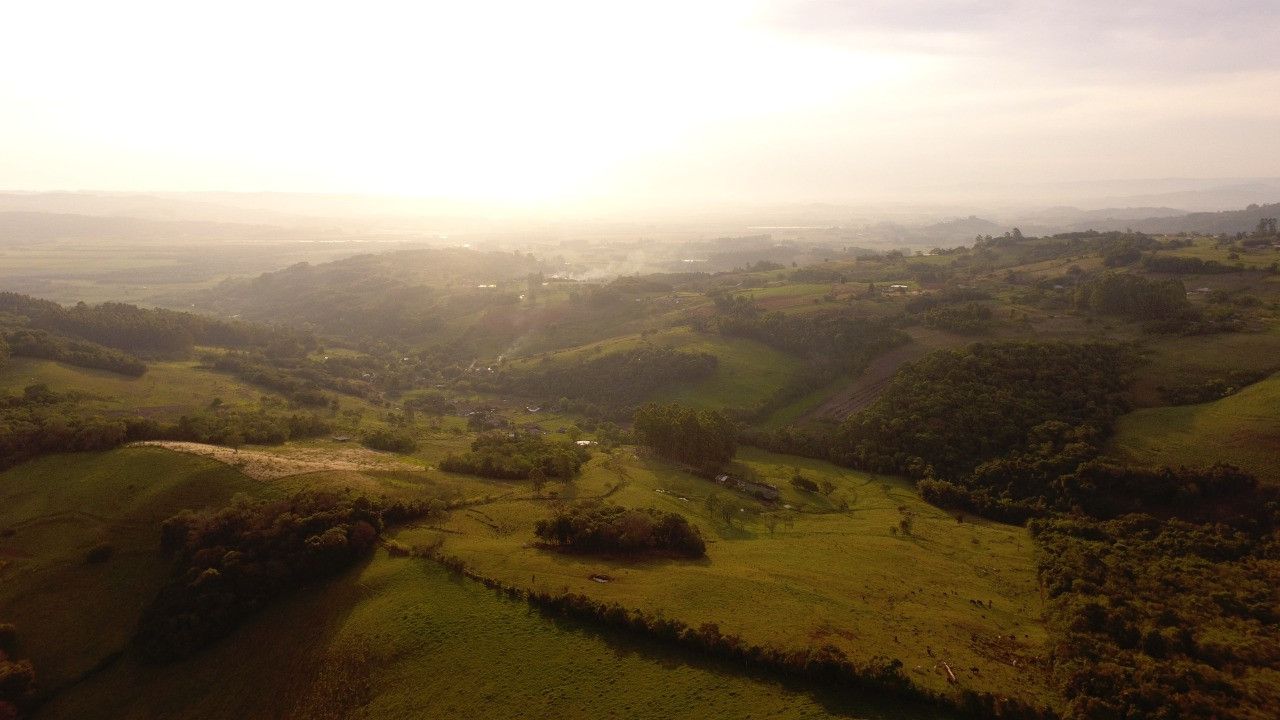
569	100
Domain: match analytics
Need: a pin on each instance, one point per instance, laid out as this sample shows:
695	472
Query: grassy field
1208	249
166	390
963	593
395	638
1196	359
1242	429
400	638
830	572
73	614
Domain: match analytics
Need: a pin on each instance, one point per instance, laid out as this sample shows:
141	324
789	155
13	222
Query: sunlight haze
661	101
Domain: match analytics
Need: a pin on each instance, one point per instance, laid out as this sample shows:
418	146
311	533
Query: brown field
288	460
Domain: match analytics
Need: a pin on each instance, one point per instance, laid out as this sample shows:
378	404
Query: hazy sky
655	100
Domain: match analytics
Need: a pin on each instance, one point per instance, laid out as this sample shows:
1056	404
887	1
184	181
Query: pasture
394	638
166	390
833	568
74	614
1241	429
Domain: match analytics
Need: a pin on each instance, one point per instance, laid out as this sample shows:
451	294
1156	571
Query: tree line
826	664
39	344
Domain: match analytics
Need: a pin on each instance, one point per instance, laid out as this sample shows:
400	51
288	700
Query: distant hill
961	230
407	293
1066	215
1228	221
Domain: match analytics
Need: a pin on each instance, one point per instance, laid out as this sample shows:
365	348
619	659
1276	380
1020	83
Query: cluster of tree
701	438
595	527
1119	249
621	378
232	561
146	332
518	456
947	296
636	284
825	664
1134	297
1183	265
837	337
431	402
25	342
819	274
389	440
970	319
17	677
1162	617
952	410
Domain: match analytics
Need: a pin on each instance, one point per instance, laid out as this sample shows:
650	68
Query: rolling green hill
1241	429
74	614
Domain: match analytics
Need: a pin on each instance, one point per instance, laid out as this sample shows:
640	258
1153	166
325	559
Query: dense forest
1163	617
704	439
148	333
230	562
949	412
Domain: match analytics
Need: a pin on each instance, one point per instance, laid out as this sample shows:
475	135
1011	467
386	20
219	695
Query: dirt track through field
875	378
286	461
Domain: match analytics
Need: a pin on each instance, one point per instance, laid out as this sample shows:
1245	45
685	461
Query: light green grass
1209	249
400	638
1242	429
166	390
830	576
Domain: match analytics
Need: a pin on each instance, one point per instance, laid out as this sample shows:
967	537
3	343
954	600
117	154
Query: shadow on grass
837	700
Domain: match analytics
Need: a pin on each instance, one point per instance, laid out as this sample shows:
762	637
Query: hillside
978	415
1241	429
1226	221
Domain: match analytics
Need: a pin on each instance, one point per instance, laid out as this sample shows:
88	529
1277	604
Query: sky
569	102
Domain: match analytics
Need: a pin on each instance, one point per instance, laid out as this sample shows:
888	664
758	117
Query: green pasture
1241	429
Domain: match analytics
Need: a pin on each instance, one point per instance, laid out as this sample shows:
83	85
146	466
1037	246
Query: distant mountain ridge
1227	221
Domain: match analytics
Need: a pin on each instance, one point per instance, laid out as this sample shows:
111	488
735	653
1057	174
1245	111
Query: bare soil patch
285	461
